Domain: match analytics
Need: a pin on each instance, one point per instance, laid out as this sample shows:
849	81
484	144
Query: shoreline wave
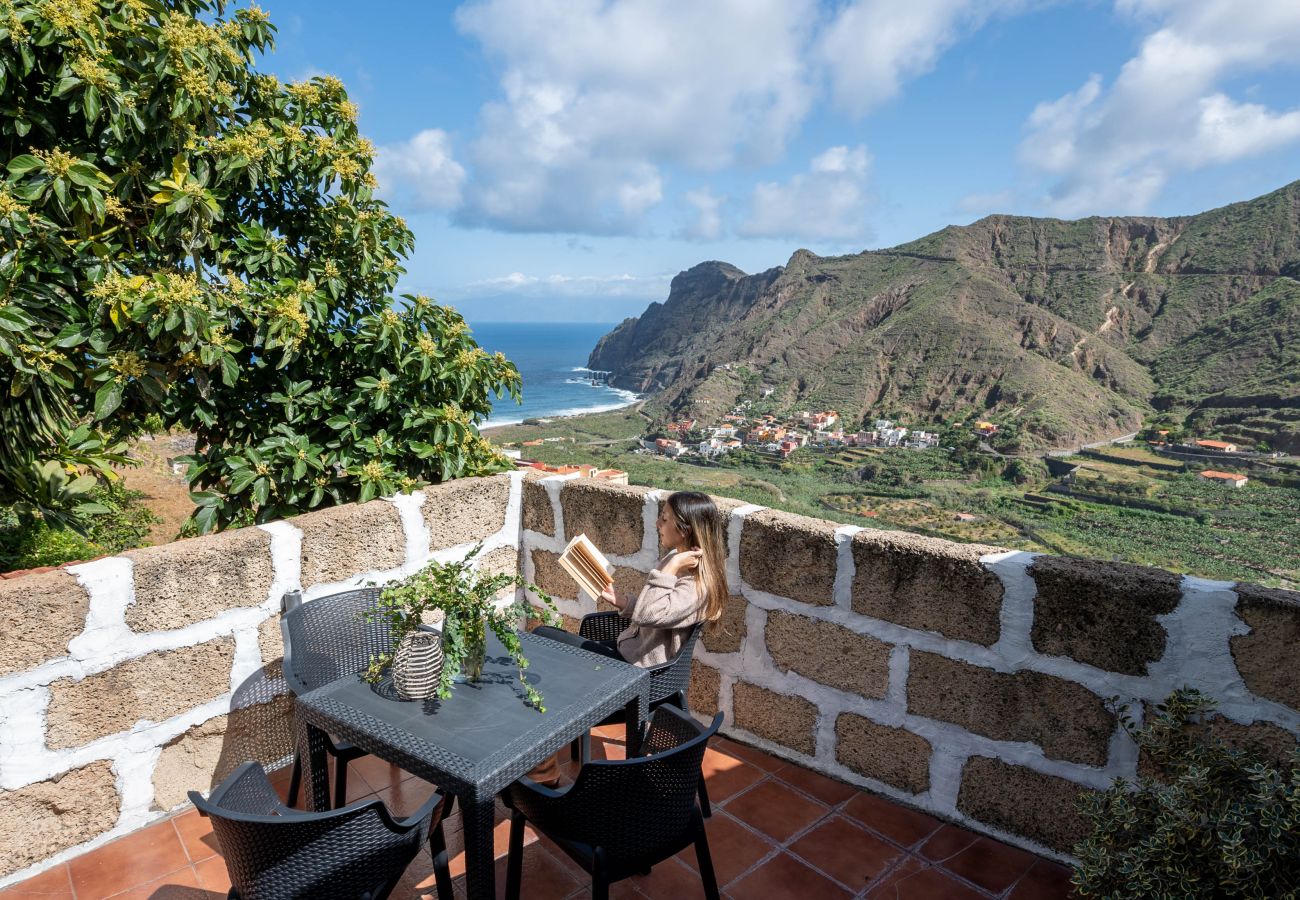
629	398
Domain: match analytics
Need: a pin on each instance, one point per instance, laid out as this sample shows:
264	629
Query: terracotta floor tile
991	864
603	748
544	877
377	773
418	879
776	810
846	852
784	877
195	832
143	856
670	880
926	884
946	843
1046	880
898	823
180	885
884	885
733	848
405	798
827	790
725	775
752	755
213	875
52	884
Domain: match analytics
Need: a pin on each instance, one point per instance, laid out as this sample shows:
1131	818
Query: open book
586	565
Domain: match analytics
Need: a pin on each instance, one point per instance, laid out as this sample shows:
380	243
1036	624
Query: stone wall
971	682
967	681
127	681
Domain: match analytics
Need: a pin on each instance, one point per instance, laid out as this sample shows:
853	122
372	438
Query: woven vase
417	665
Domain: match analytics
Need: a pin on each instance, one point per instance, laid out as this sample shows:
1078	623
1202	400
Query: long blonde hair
699	519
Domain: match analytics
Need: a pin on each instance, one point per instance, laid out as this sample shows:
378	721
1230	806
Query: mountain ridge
1067	330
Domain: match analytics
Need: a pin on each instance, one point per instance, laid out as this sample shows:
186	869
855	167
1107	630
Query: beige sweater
662	616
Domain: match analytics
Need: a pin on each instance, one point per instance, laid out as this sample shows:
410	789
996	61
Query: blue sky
562	159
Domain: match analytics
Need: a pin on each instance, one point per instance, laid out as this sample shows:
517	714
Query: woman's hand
684	562
610	596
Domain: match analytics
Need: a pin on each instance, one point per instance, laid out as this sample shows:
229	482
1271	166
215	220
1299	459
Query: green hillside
1072	331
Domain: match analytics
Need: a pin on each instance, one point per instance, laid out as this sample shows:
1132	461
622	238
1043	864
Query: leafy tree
181	235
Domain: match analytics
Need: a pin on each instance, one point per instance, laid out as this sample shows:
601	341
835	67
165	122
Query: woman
687	587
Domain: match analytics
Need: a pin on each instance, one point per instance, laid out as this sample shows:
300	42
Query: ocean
552	359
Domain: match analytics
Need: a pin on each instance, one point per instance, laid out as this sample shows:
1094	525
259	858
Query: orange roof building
1229	478
1218	445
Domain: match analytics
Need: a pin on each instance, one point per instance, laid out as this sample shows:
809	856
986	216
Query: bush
1213	821
183	235
28	541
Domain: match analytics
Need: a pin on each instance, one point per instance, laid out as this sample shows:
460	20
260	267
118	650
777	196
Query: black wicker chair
324	640
620	817
669	681
273	852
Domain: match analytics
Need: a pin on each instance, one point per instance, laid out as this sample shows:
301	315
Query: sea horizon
552	361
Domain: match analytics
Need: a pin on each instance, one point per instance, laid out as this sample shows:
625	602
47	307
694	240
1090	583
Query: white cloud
707	224
1113	149
620	285
872	46
421	173
828	202
601	95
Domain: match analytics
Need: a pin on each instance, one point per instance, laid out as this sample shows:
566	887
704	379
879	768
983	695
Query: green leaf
108	398
242	478
261	491
21	165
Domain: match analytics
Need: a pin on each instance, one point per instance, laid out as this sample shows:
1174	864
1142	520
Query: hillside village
779	436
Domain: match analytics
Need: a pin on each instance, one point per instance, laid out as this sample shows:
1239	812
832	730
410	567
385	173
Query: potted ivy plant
468	600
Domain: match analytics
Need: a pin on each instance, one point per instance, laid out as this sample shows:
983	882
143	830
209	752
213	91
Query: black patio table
481	739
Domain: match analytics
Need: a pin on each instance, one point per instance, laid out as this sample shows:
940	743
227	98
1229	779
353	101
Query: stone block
501	561
705	684
1102	613
726	506
539	516
466	510
927	584
1272	742
548	575
892	755
628	581
1066	719
1266	658
790	556
39	614
190	581
154	687
343	541
204	755
39	820
727	635
782	719
271	642
828	653
1022	801
609	514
